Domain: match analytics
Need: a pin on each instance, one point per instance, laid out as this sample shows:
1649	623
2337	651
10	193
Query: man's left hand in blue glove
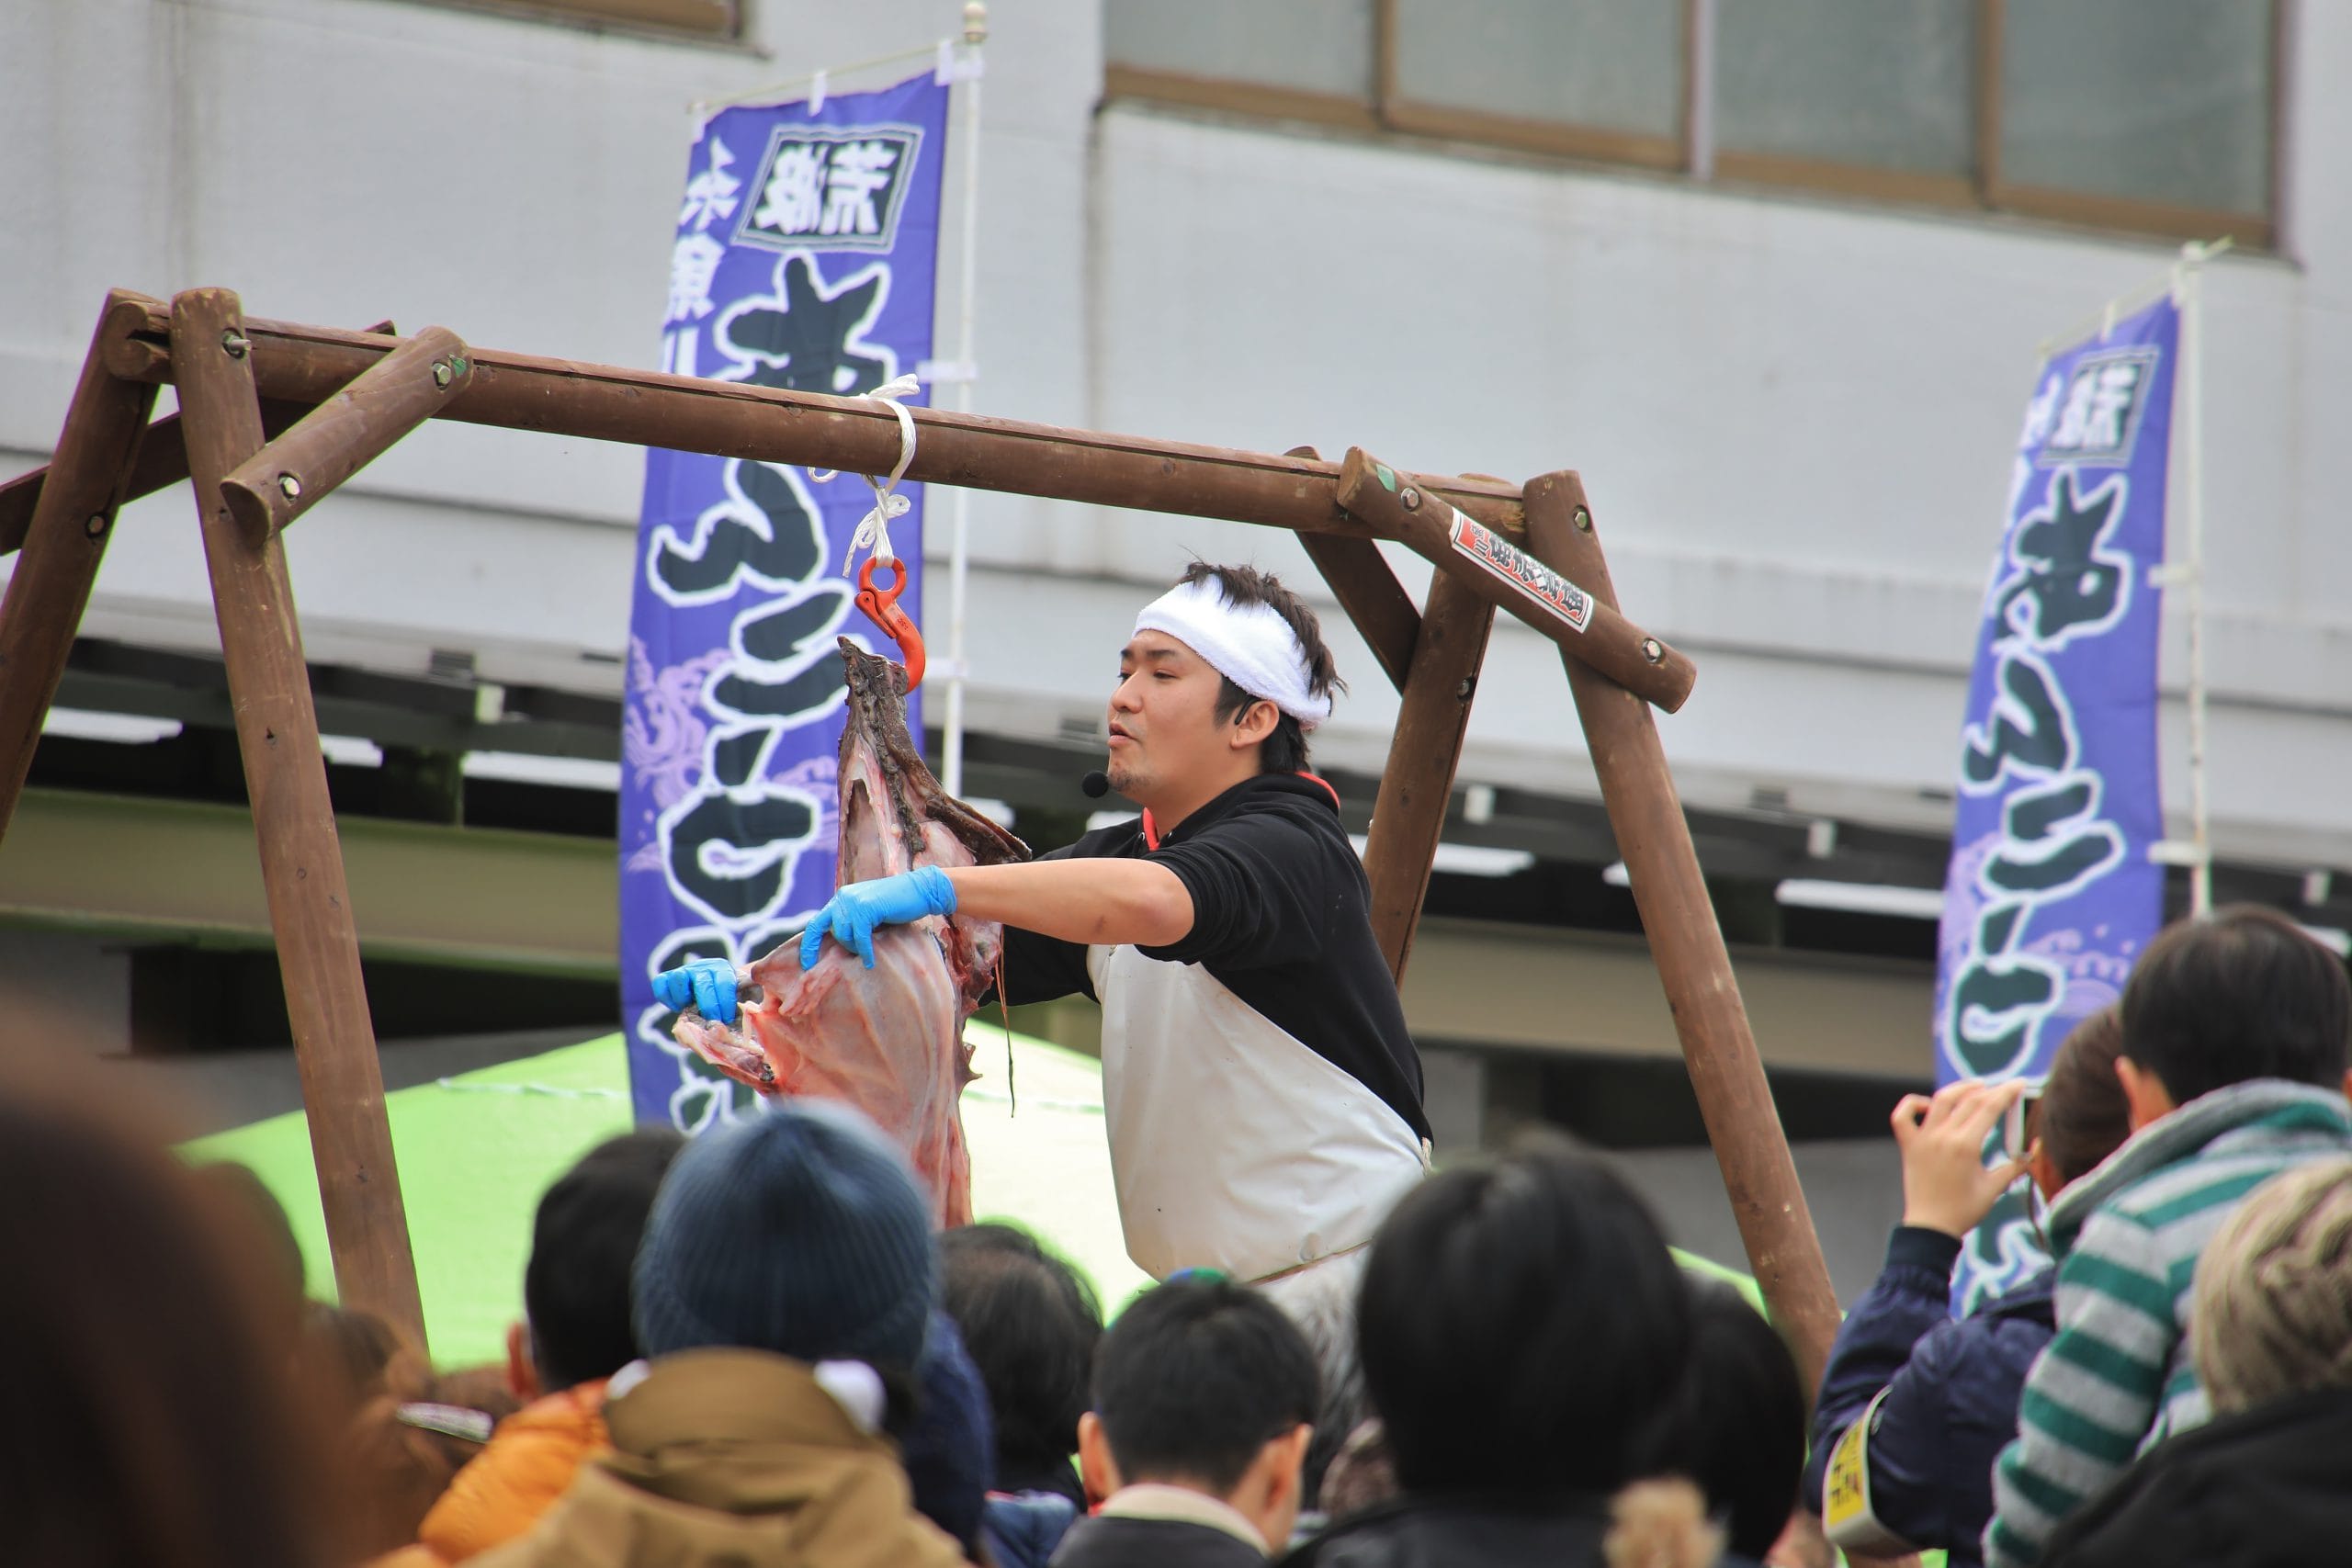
706	985
851	914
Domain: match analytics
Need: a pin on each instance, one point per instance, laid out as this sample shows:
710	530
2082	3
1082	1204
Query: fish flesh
888	1039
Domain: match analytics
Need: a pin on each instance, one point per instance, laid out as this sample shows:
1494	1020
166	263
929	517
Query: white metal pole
2191	292
951	745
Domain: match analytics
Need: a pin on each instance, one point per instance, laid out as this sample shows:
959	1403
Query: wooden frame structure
274	415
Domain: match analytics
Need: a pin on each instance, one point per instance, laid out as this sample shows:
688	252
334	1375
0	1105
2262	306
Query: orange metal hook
881	606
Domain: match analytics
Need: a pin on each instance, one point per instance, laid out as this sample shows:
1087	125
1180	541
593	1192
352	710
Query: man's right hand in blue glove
852	913
706	985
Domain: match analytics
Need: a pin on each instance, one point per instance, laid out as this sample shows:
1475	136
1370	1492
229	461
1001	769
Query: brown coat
733	1457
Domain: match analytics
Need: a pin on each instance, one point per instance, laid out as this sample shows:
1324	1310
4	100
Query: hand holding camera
1946	1185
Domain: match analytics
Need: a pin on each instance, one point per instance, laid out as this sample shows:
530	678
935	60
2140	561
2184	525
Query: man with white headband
1262	1097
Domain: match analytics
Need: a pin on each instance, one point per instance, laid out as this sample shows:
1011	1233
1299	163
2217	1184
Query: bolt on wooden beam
348	430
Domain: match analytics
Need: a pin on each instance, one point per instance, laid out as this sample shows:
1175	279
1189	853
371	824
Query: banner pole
951	746
2188	287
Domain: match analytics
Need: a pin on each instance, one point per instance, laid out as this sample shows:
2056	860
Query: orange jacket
528	1462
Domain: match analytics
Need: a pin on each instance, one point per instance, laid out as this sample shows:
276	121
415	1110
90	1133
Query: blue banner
806	250
2051	893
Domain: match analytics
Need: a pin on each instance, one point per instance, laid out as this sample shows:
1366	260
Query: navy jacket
1954	1388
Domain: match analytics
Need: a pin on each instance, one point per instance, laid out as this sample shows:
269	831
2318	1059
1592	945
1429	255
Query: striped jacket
2117	1380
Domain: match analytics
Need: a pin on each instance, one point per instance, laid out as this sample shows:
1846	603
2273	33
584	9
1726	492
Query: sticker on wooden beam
1565	600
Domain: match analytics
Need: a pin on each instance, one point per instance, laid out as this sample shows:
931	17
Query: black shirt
1281	918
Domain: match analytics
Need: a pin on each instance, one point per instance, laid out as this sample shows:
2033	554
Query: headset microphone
1096	784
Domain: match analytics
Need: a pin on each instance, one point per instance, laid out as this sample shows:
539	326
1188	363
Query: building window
1862	94
698	19
1601	79
1299	58
2150	115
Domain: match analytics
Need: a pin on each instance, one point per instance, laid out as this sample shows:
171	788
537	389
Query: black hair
2244	993
1197	1378
1740	1423
1285	751
1031	1326
1522	1327
584	1244
2081	1116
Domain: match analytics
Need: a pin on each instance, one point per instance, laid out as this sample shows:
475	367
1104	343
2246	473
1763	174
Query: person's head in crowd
2240	994
1031	1324
1322	1303
2272	1310
947	1441
147	1412
402	1449
2081	1116
251	1201
1204	1384
799	1232
1741	1422
1523	1328
584	1240
1361	1476
350	1355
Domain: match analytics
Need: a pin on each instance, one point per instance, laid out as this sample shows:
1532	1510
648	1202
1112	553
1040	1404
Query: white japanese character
2076	417
694	263
2040	413
795	194
2118	384
711	194
860	169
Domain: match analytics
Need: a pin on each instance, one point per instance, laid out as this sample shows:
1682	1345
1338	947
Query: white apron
1234	1146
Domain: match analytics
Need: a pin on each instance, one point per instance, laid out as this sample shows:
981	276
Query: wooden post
301	859
1375	602
1383	613
347	432
1646	813
1409	814
1498	571
64	540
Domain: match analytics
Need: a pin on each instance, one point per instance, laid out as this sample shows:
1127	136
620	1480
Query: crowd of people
750	1348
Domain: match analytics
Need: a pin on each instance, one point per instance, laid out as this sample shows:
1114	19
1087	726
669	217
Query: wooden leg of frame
301	858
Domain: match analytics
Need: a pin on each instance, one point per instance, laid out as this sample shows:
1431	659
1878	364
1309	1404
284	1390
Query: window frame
707	21
1982	189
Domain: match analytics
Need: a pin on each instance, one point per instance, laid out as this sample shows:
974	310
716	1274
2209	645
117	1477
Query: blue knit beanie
799	1232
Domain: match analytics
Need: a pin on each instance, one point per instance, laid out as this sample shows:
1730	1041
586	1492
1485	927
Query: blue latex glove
851	914
706	985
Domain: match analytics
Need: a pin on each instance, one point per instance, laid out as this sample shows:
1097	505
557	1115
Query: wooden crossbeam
347	432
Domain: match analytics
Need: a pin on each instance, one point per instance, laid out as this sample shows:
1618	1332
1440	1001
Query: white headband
1249	645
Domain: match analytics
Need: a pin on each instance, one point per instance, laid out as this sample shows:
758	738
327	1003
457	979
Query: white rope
874	528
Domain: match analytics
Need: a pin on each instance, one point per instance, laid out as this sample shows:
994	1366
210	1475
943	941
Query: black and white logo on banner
834	189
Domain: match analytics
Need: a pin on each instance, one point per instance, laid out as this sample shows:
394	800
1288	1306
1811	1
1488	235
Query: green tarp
477	1150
